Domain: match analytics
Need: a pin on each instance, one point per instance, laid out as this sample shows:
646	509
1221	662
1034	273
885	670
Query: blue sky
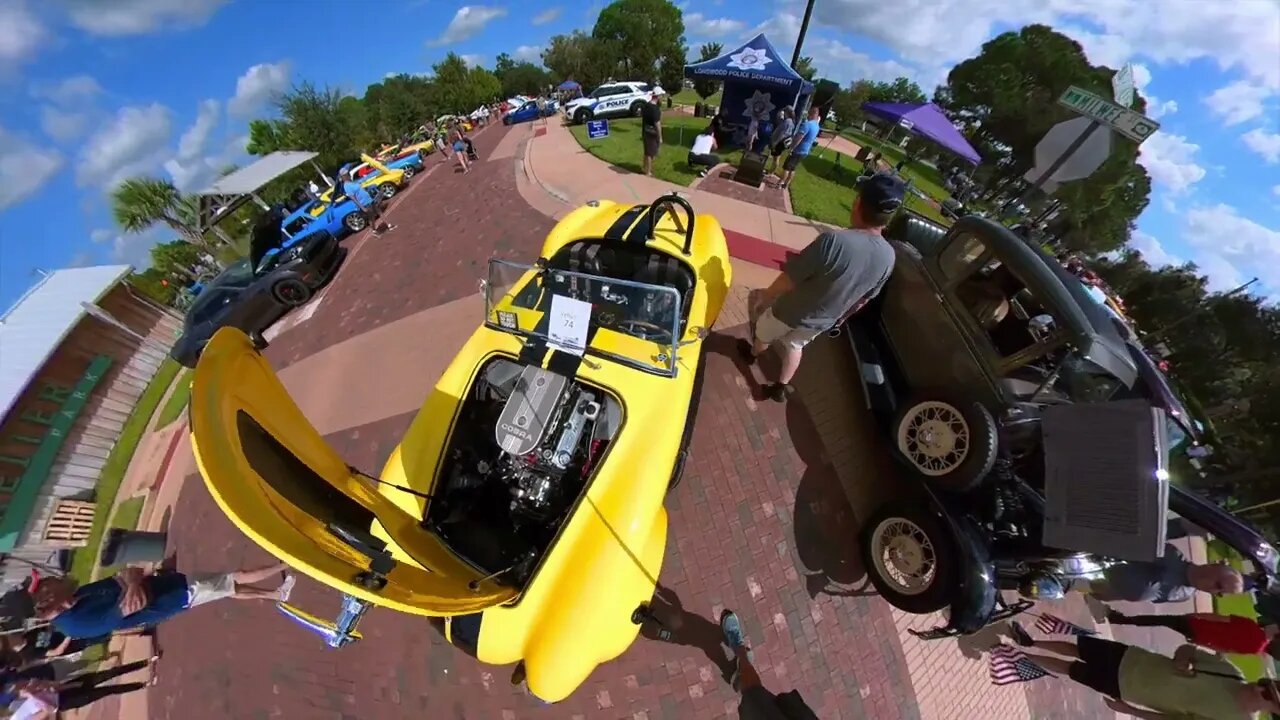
100	91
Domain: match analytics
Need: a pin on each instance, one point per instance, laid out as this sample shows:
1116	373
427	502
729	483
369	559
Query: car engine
520	456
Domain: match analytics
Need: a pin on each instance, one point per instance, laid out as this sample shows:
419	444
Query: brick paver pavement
759	524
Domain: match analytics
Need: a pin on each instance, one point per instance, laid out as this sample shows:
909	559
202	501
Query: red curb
757	251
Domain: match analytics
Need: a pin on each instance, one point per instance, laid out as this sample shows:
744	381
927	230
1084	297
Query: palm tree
139	203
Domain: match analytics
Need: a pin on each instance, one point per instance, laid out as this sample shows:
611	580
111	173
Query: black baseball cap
882	193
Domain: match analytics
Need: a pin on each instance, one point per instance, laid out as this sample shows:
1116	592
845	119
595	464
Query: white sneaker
286	588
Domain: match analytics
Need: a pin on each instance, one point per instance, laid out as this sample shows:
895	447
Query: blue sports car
527	112
318	216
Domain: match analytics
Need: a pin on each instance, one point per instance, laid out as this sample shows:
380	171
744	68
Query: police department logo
749	59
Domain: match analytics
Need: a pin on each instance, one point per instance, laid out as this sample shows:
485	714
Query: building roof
35	326
249	179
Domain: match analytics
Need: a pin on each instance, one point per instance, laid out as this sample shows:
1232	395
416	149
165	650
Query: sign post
1099	112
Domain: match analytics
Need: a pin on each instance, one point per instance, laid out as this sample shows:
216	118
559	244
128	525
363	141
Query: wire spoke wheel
934	437
904	555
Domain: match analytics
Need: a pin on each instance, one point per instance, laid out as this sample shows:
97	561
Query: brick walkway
720	181
762	523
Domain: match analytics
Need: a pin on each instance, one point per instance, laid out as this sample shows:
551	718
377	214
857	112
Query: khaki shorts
203	589
769	329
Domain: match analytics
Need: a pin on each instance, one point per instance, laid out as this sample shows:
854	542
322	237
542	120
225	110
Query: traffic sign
597	129
1123	120
1087	157
1122	85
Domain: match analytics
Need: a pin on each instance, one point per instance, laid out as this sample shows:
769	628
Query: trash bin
128	547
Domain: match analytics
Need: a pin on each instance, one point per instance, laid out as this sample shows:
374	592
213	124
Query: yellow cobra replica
524	504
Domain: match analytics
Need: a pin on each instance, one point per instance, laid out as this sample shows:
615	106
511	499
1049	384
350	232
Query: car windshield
632	323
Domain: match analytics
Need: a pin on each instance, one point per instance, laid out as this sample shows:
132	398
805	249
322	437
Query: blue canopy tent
757	81
568	85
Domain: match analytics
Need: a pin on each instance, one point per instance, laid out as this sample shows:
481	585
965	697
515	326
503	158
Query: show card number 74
569	321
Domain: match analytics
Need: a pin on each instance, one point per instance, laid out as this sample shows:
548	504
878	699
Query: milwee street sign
1123	120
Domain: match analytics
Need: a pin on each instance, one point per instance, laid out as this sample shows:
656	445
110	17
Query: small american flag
1054	625
1010	665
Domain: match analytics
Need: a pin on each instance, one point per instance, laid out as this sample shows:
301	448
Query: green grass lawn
823	190
925	177
1253	666
687	96
83	559
624	148
177	401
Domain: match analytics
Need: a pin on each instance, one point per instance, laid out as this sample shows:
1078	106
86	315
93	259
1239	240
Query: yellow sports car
393	152
385	182
524	504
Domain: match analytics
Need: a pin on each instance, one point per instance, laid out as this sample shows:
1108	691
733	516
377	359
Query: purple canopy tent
927	121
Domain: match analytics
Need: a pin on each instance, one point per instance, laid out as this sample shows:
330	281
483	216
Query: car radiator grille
1106	483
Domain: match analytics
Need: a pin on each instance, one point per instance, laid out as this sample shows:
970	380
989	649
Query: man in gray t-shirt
831	278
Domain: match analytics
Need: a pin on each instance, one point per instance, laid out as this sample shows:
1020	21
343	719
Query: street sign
1080	164
1123	120
597	129
1122	85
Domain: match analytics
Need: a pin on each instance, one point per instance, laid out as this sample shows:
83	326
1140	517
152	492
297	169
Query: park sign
597	129
19	493
1131	124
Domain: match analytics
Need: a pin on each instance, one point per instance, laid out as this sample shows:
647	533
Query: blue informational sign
597	129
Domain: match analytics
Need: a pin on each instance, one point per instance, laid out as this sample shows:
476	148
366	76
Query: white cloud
837	61
1171	161
21	34
1265	144
1229	245
135	248
467	23
1276	190
136	17
24	168
258	85
62	125
1241	35
1141	76
190	168
472	59
81	259
134	143
1240	101
548	15
72	91
101	235
1157	108
528	53
697	25
1152	250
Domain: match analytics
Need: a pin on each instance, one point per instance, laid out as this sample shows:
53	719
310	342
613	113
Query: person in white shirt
700	154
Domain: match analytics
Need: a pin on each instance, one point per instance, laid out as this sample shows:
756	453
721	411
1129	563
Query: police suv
612	99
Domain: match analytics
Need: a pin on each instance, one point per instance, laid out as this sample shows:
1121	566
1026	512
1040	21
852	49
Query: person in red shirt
1223	633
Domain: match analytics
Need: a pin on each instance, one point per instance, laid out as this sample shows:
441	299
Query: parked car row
293	253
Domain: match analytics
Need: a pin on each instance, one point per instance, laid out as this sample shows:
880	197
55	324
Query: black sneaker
746	352
1020	635
778	392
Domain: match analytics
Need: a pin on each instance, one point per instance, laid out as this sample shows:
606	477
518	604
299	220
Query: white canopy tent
234	190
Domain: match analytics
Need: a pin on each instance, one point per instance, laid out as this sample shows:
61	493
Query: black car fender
975	596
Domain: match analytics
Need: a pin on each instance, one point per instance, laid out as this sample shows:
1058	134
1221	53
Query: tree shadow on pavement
825	527
686	628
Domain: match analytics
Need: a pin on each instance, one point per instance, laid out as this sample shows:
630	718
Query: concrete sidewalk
556	164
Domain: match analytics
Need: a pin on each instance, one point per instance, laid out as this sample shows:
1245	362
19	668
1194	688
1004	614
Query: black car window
210	303
295	227
961	256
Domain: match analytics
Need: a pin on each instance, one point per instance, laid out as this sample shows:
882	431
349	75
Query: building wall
81	458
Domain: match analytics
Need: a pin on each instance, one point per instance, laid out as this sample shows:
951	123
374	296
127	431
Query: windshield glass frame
515	279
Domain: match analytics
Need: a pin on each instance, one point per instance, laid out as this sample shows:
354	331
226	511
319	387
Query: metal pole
1057	164
1159	334
804	28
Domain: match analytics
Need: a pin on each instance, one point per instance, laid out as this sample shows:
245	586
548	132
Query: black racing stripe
618	230
564	363
640	233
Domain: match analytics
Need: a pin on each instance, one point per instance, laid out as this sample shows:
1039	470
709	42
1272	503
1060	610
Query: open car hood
1228	528
278	480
